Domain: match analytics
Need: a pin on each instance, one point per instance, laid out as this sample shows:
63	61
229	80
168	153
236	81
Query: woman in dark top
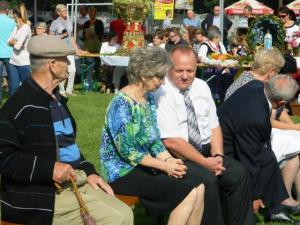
94	23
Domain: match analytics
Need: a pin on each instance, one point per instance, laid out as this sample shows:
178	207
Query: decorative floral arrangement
217	56
293	43
226	60
258	29
133	10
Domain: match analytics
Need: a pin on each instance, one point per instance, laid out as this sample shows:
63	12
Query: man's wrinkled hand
257	204
215	165
63	172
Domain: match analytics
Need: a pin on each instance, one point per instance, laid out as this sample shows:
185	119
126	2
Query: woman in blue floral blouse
132	157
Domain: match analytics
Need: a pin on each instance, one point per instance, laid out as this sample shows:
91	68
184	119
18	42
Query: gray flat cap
48	46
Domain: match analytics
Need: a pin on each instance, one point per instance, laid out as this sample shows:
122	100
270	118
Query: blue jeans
16	75
89	72
3	62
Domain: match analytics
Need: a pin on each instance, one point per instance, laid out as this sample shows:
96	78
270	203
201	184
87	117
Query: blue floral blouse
130	133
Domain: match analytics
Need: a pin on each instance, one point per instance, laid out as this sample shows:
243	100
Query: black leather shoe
293	209
282	217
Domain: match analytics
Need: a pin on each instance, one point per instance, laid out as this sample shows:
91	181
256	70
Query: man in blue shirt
6	28
191	20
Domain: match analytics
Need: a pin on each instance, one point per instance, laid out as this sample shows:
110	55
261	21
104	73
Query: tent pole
75	20
222	20
35	12
72	14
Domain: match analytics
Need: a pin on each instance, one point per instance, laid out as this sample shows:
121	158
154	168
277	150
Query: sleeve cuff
42	170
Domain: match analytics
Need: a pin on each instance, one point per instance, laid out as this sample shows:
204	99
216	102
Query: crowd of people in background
164	138
203	36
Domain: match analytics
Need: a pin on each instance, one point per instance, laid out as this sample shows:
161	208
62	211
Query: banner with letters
160	8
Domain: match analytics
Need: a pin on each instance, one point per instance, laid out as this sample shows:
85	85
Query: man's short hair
184	50
281	88
174	30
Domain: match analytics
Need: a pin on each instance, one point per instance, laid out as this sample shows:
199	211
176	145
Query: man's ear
51	65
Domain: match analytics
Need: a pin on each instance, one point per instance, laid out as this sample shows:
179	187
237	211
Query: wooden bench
8	223
131	201
295	108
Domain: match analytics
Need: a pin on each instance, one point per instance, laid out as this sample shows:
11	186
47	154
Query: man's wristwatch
219	155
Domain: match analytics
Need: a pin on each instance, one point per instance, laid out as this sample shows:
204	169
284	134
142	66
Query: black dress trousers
235	191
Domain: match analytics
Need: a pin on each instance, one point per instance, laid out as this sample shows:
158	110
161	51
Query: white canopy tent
295	6
258	8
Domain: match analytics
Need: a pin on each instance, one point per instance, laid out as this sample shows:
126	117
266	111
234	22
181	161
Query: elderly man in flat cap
38	150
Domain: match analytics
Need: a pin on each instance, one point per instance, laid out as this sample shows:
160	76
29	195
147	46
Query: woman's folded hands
175	168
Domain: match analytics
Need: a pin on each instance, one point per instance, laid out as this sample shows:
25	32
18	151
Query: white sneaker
63	94
70	93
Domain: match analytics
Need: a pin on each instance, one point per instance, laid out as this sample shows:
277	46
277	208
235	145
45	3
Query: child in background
110	47
237	45
166	35
40	28
158	39
198	39
92	45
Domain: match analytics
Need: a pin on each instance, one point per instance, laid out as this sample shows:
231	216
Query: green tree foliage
13	3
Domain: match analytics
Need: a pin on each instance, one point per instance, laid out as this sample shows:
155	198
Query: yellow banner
160	8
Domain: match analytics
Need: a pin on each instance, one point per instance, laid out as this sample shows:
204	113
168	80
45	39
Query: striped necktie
192	124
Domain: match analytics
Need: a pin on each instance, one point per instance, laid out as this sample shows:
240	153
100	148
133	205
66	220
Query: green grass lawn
89	111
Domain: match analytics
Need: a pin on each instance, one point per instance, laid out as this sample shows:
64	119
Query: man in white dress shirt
184	98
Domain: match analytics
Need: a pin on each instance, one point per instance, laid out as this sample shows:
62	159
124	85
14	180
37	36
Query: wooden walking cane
86	217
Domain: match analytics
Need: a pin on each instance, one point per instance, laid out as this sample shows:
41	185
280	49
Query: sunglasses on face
282	16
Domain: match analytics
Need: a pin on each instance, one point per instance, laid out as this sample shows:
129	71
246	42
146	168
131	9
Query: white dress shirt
107	49
171	110
162	45
217	21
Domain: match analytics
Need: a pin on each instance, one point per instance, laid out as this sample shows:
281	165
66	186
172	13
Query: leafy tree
13	3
